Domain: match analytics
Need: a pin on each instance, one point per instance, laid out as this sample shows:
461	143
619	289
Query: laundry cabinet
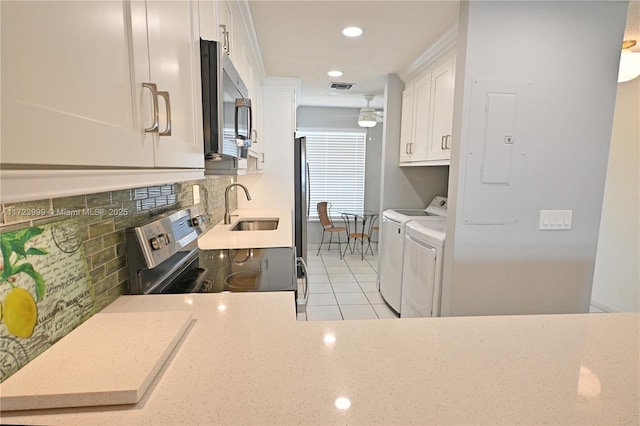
82	80
427	114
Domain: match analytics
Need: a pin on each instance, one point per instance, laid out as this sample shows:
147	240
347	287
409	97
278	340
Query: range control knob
155	243
197	221
160	241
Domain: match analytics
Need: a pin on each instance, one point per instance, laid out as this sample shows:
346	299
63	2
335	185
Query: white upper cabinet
406	123
73	74
70	95
174	64
225	27
442	107
427	115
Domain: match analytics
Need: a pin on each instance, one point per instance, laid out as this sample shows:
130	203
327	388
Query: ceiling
303	39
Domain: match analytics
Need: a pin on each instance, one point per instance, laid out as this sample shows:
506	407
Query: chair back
323	213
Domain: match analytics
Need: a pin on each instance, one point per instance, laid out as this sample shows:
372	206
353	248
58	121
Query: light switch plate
552	220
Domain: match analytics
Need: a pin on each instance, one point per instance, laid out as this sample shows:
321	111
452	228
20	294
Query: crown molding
444	43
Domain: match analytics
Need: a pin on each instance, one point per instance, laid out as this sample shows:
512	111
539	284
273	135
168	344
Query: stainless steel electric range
164	258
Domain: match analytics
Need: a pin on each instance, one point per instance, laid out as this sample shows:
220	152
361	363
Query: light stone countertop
251	362
219	237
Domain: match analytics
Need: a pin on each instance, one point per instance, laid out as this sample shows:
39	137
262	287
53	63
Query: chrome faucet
227	215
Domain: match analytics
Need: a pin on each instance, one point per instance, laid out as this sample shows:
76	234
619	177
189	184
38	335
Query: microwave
226	107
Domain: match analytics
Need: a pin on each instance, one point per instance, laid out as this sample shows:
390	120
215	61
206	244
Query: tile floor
343	289
346	289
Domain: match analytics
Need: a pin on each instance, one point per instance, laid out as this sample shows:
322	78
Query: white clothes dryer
422	268
391	251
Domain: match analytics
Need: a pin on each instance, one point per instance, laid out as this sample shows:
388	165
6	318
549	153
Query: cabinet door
422	107
225	26
69	93
207	17
174	63
406	124
442	109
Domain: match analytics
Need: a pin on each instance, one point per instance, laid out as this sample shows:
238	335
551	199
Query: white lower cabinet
427	115
72	84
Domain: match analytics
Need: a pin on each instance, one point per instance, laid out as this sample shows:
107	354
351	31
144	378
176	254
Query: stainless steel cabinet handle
406	148
254	136
442	142
225	34
411	148
167	102
154	102
447	142
301	303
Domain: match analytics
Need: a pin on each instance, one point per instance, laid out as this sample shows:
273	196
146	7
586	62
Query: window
336	170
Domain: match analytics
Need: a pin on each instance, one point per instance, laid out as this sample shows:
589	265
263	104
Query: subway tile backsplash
103	217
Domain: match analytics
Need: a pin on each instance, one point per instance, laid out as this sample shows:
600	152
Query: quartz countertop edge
220	236
247	360
119	356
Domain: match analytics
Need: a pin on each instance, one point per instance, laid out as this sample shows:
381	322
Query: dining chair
373	229
357	231
324	209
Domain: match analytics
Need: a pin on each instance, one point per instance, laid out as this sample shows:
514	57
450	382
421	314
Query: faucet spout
227	214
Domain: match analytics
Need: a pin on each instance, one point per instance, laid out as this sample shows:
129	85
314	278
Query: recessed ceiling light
335	73
352	31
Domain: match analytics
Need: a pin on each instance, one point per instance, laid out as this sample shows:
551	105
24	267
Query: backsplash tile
102	219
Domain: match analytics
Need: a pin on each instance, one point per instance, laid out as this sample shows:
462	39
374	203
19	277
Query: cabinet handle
225	43
442	143
154	102
167	102
254	136
447	143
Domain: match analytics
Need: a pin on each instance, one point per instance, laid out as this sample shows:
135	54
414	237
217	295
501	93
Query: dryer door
418	280
390	255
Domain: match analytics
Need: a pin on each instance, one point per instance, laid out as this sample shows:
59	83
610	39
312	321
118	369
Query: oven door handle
301	303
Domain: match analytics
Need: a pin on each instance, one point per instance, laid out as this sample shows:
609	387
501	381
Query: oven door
252	269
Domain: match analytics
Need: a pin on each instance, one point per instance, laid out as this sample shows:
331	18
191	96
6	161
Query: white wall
274	187
616	281
404	187
569	52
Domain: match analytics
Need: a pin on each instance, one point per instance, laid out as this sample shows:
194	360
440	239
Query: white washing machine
392	247
422	268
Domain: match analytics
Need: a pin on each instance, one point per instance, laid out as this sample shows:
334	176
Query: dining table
359	225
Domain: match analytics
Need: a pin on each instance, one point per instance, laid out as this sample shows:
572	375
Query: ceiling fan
368	116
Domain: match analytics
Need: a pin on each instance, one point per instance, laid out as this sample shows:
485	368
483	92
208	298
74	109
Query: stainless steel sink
261	224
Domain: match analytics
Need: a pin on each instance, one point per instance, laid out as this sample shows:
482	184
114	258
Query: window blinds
336	170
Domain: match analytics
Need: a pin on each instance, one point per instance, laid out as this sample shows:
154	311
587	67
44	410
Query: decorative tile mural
45	291
97	224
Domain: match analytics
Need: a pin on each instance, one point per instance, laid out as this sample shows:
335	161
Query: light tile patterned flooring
343	289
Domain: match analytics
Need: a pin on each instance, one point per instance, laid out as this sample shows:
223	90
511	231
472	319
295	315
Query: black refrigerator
302	194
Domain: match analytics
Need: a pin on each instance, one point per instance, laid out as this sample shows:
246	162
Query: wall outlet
551	220
196	194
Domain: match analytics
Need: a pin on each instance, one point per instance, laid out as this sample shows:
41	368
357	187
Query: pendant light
629	62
